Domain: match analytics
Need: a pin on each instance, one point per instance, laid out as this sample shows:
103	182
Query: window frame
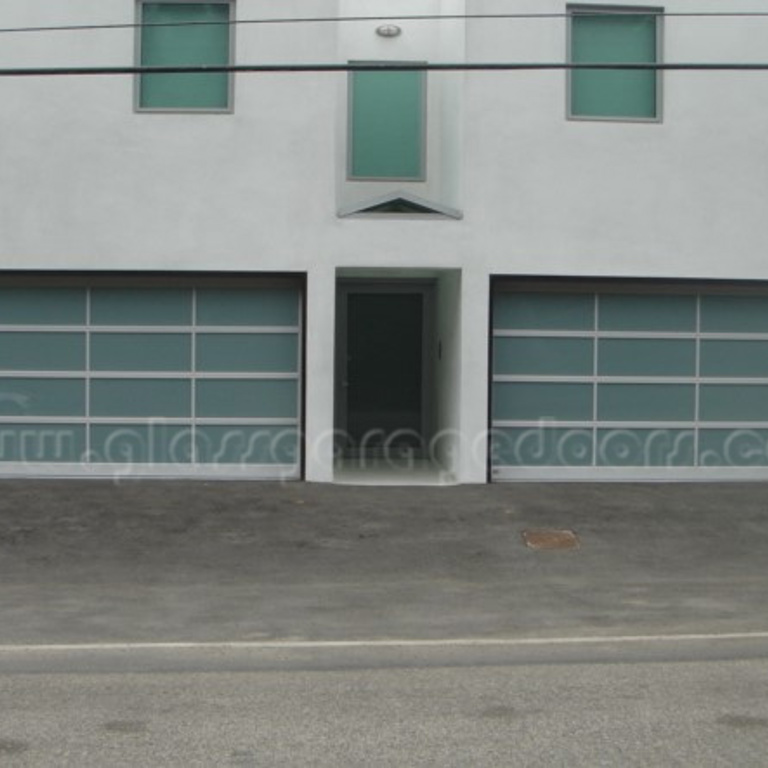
138	37
422	176
658	12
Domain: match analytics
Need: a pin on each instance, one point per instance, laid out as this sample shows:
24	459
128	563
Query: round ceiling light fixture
388	30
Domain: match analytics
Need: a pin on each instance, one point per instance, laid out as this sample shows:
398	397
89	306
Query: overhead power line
416	17
379	67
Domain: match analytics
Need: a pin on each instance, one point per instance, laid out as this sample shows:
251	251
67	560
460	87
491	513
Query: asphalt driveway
97	561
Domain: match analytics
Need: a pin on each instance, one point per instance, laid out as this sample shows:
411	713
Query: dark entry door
384	377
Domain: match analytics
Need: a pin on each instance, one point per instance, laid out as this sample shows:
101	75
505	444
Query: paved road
422	706
318	583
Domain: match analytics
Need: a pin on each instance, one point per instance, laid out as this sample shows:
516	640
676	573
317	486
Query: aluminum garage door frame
151	376
628	381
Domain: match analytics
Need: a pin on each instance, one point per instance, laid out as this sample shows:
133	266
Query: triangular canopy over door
400	203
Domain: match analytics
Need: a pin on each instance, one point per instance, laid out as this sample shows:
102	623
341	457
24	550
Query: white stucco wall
86	183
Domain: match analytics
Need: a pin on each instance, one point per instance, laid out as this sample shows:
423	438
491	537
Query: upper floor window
614	35
387	122
186	34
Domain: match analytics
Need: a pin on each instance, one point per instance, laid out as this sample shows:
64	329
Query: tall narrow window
600	35
386	127
188	34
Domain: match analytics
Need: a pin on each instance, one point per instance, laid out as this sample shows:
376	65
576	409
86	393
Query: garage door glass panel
734	314
645	447
42	351
532	402
141	444
42	306
273	307
141	306
734	358
141	397
733	447
543	357
268	398
646	357
734	402
42	397
248	445
646	312
42	443
542	311
266	352
141	352
646	402
541	446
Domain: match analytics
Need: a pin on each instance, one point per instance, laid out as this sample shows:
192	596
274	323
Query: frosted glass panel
387	125
606	39
563	402
646	402
42	397
645	447
250	306
734	358
733	447
141	444
140	397
188	35
42	306
267	352
42	351
734	314
541	447
247	445
141	306
734	402
42	442
646	357
544	311
647	312
141	352
247	399
543	357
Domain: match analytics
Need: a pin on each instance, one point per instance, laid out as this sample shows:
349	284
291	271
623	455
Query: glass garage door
629	385
150	380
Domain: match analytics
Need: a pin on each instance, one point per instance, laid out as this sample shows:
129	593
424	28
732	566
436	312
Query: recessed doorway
385	352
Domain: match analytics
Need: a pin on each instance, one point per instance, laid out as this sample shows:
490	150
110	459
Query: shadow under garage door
629	381
150	376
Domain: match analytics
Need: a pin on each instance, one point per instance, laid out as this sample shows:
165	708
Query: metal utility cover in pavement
551	539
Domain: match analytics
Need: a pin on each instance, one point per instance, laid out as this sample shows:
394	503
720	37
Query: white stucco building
491	274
